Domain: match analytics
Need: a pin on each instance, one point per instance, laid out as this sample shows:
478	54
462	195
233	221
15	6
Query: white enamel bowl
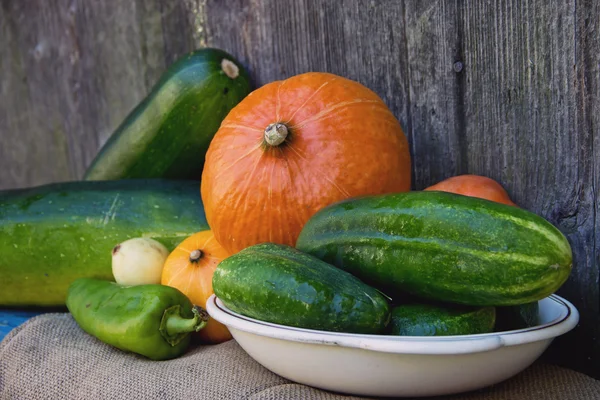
396	366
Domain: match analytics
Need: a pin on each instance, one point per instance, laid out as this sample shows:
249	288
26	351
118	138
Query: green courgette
423	319
52	234
442	246
279	284
168	133
517	317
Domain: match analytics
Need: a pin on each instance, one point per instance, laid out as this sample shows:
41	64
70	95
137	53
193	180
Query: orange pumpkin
474	186
293	147
190	268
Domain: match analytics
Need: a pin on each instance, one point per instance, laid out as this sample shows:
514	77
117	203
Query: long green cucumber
442	246
423	319
168	133
279	284
52	234
517	317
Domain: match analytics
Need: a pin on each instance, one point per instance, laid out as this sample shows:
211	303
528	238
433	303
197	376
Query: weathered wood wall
507	89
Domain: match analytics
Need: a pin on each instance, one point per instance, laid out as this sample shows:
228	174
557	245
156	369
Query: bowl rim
433	345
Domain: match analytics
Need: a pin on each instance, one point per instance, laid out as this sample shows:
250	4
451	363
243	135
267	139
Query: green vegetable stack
449	261
418	263
57	239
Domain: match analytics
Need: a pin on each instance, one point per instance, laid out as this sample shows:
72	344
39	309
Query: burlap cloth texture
50	357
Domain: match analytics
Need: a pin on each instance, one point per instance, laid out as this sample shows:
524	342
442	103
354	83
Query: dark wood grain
436	116
582	213
71	71
34	146
507	89
520	96
277	39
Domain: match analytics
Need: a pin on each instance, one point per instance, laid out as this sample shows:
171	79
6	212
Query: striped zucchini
439	319
167	134
51	235
279	284
442	246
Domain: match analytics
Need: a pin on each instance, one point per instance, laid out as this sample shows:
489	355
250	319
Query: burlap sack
50	357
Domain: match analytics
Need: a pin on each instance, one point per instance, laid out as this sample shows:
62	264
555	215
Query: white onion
138	261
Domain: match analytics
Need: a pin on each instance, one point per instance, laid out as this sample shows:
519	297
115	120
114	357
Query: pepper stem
275	134
174	328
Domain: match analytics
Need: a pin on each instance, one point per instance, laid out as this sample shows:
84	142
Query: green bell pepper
152	320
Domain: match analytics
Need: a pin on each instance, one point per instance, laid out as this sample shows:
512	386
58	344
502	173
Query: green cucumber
441	320
52	234
279	284
517	317
442	246
168	133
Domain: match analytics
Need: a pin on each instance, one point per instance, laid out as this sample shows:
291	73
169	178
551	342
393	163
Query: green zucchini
517	317
442	246
422	319
168	133
279	284
52	234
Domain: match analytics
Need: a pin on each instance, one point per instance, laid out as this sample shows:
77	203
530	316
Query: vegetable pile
305	217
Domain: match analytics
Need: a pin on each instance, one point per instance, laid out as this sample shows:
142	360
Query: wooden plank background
506	89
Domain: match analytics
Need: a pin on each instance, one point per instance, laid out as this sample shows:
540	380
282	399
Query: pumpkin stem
195	255
275	134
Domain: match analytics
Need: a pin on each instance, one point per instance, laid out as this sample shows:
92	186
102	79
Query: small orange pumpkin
293	147
190	268
474	186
